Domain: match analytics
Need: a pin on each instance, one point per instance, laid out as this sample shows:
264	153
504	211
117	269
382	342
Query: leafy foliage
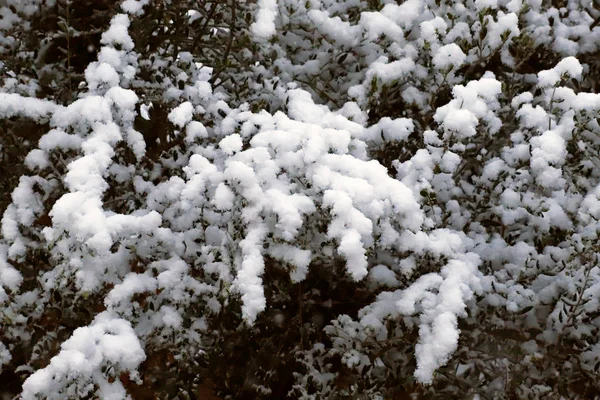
299	199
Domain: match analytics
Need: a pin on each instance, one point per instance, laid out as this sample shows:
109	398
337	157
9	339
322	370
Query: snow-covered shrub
303	199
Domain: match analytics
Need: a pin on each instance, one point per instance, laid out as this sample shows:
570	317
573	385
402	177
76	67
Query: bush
300	199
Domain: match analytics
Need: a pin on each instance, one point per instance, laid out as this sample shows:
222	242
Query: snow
382	275
532	117
117	32
9	276
549	147
477	100
299	187
132	284
107	340
493	168
99	73
510	198
483	4
224	197
248	280
84	111
514	6
404	14
135	141
376	24
173	274
122	98
438	332
351	247
144	111
342	31
134	7
182	114
567	67
447	56
171	318
231	144
298	258
37	158
450	161
195	130
12	104
431	28
290	210
463	122
506	23
5	356
111	56
264	25
389	130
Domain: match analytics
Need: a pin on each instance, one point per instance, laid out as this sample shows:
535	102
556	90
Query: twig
229	43
580	297
321	92
211	12
69	46
300	314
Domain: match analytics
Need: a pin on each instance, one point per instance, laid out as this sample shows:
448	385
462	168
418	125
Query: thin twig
69	46
321	92
211	12
229	43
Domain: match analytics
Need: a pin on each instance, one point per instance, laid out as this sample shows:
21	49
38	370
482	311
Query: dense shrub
300	199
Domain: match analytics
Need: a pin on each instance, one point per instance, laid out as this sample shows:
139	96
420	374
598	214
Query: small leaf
490	222
526	310
365	370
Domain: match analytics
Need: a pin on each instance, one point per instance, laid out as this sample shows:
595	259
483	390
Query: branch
320	91
229	43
